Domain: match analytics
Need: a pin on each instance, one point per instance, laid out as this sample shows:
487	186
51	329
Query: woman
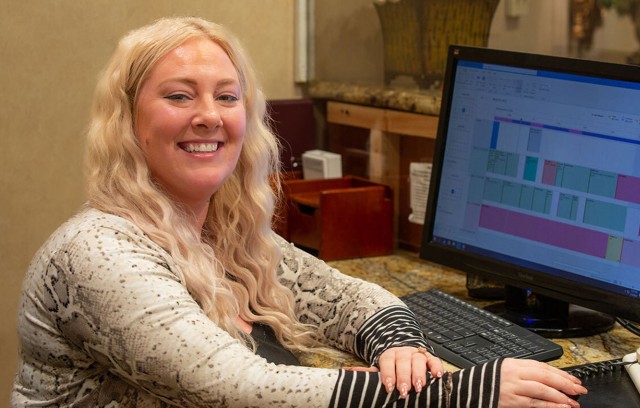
169	287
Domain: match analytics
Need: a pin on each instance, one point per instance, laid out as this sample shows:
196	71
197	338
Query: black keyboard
466	335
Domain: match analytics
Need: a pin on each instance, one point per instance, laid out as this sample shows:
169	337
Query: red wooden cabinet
339	218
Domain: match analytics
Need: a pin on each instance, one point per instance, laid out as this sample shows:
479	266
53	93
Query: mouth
190	147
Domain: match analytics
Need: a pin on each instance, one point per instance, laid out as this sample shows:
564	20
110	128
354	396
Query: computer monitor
536	184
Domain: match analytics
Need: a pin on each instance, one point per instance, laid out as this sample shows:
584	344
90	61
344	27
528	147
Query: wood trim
412	124
356	115
386	120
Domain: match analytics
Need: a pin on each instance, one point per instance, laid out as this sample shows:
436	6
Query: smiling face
190	122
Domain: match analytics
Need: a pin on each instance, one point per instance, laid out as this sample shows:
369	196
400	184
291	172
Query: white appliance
319	164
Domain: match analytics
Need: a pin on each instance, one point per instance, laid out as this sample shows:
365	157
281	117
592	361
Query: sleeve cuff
393	326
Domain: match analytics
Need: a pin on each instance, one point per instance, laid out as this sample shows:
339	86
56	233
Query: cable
629	325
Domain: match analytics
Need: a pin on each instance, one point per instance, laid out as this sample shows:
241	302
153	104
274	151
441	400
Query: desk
403	273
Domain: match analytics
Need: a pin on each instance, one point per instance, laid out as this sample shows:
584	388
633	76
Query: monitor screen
536	177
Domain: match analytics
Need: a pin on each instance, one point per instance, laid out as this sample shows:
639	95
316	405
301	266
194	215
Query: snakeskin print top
105	321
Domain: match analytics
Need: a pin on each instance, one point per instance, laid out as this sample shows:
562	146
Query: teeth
201	147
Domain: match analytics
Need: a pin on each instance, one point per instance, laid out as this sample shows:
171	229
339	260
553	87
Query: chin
209	186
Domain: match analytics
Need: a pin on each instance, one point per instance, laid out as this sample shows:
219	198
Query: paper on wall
419	177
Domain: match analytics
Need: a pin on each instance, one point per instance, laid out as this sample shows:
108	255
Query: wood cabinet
348	217
379	144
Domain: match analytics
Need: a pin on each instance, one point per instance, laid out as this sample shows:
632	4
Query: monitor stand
550	317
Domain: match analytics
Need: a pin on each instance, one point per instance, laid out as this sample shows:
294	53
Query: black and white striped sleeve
478	386
393	326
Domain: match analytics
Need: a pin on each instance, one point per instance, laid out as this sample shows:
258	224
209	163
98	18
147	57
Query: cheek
158	126
239	126
242	128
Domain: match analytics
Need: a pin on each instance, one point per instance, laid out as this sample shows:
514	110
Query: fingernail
439	374
389	385
573	404
418	385
403	390
580	389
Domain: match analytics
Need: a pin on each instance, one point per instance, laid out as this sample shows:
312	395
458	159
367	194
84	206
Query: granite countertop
408	99
403	273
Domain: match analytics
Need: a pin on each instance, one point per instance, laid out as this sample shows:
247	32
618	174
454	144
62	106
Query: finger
547	367
521	393
535	403
435	366
421	360
541	393
537	383
387	364
564	384
404	371
419	371
563	374
555	378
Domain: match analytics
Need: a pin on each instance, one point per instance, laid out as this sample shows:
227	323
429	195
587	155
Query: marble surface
404	98
403	273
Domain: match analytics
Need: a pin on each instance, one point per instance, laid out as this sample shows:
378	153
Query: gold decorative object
586	16
417	34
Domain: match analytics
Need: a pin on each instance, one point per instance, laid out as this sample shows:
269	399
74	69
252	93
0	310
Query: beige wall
50	55
348	43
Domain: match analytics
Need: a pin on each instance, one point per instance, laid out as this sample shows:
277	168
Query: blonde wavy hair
230	266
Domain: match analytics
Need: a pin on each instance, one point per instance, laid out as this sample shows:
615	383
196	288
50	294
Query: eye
227	98
178	97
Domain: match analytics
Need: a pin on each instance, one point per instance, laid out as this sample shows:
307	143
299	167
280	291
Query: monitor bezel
523	277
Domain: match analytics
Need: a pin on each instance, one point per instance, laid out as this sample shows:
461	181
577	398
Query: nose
207	114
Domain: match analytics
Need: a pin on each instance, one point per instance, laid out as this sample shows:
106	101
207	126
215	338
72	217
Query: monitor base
550	317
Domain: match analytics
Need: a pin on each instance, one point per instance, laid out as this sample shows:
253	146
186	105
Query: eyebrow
189	81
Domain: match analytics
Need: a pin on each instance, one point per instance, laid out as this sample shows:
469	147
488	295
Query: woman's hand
404	367
528	383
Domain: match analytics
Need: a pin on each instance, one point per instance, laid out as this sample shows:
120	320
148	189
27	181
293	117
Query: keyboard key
466	335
